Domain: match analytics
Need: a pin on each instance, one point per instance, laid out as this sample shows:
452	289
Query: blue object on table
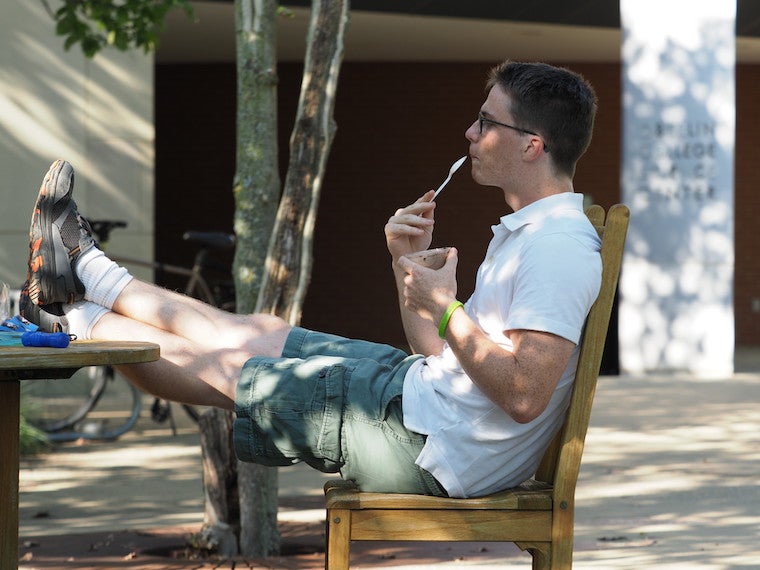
17	324
17	331
50	340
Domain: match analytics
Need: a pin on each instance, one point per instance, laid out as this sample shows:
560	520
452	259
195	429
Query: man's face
495	151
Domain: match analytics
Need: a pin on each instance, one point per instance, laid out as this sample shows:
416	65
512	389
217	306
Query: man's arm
520	381
409	230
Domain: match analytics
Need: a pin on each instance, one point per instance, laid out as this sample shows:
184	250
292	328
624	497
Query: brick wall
747	196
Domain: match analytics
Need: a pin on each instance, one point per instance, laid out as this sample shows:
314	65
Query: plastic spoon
452	170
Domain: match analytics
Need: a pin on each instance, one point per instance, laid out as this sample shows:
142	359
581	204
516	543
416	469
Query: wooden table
22	363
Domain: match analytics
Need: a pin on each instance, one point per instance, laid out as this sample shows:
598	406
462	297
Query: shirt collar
542	208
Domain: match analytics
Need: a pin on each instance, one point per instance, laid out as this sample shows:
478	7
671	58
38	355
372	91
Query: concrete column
676	308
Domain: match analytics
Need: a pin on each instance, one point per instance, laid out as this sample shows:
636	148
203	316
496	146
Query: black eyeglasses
483	119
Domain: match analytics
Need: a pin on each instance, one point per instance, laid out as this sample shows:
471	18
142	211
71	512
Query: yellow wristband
447	316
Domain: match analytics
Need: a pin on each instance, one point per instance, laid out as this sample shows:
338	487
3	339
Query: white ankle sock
103	278
82	317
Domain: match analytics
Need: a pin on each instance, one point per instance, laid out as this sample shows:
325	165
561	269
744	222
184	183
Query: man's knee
266	335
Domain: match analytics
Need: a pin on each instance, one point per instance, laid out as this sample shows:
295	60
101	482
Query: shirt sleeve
557	280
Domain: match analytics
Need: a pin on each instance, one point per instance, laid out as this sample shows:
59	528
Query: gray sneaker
58	235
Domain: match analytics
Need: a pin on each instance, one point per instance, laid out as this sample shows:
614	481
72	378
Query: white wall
97	114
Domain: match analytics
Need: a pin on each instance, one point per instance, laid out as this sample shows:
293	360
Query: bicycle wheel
57	405
112	409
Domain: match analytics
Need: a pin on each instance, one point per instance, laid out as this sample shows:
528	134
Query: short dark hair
557	103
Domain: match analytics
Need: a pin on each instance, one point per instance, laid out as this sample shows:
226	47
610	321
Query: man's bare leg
203	349
201	323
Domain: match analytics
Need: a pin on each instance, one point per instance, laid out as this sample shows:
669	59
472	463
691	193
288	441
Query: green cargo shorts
334	403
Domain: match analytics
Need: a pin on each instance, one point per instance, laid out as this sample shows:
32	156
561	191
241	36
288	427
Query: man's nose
472	133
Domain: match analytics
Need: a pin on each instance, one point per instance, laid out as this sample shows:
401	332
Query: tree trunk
281	289
288	265
220	484
289	259
256	188
257	193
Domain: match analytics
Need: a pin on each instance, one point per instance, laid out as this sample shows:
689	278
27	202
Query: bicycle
67	411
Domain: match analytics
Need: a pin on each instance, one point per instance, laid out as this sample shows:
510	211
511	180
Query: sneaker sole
45	255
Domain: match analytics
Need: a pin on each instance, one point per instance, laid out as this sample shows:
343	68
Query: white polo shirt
542	272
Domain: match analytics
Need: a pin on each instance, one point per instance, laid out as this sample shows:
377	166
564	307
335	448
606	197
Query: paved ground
669	480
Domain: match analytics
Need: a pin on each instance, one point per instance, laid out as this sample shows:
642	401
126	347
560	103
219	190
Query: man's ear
533	148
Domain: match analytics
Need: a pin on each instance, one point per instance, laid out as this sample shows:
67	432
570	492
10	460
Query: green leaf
63	27
70	41
124	24
90	46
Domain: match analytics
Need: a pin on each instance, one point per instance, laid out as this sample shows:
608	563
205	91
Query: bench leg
338	550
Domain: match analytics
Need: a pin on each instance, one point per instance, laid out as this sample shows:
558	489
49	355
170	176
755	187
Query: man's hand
428	292
410	229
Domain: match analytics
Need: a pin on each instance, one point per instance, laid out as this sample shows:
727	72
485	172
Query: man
471	411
